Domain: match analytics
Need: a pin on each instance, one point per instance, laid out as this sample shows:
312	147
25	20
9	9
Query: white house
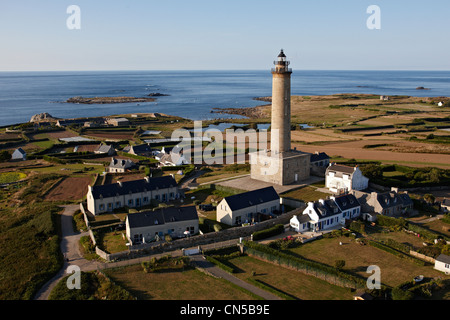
442	263
145	227
324	214
172	157
300	223
445	205
133	194
120	165
19	154
343	179
248	206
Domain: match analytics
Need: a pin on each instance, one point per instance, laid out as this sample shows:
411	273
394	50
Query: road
70	249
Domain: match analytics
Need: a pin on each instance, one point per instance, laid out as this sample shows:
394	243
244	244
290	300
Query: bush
263	234
399	294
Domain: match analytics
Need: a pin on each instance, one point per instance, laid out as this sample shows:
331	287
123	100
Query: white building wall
442	266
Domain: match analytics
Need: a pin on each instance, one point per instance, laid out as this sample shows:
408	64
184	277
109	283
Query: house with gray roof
392	203
247	207
105	149
343	179
19	154
120	165
442	263
133	194
143	150
148	226
320	159
324	214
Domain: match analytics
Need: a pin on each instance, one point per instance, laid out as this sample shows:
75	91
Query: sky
223	35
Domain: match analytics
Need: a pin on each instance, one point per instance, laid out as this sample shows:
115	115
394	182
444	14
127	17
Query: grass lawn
113	242
190	284
394	270
9	177
306	194
438	226
292	282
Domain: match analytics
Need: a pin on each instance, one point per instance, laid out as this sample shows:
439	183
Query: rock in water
41	117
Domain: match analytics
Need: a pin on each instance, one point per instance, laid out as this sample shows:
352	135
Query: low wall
422	256
292	202
201	240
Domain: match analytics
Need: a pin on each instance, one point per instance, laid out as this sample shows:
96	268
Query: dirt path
69	248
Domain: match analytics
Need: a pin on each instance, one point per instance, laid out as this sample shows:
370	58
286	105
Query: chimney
394	189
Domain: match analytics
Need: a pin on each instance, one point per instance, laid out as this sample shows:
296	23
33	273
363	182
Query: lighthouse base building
282	168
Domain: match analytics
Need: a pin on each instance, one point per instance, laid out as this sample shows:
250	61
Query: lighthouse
281	105
280	164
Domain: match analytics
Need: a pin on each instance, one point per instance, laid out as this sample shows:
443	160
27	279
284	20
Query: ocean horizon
192	94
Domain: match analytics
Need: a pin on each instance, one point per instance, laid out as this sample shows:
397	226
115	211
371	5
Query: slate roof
393	199
162	216
338	168
327	209
121	163
21	151
443	258
251	198
104	148
303	218
319	156
135	186
141	149
347	201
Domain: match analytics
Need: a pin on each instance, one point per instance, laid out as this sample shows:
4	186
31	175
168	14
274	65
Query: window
101	207
118	204
145	199
238	220
130	202
447	266
110	205
157	197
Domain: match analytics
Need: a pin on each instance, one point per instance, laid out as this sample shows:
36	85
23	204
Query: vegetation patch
93	286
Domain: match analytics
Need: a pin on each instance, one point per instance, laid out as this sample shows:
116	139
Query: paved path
220	273
70	249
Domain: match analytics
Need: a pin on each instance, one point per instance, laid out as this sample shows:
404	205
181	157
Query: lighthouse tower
281	105
280	165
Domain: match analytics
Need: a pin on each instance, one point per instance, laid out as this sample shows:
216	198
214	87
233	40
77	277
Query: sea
191	94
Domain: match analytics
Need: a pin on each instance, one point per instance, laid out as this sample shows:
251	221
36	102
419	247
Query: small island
107	100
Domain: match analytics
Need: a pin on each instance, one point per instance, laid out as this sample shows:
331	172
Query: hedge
269	288
266	233
300	263
220	264
395	252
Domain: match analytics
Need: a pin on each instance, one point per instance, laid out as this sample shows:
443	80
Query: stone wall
205	239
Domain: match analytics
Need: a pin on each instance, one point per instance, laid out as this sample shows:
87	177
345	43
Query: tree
429	198
339	264
5	156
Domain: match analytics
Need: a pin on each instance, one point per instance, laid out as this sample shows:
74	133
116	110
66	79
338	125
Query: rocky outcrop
42	117
252	112
157	94
108	100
